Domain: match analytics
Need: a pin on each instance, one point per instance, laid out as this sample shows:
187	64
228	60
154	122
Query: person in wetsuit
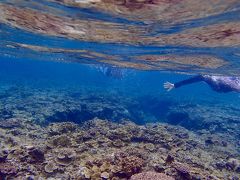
222	84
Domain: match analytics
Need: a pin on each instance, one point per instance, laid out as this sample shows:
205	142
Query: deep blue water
144	88
60	75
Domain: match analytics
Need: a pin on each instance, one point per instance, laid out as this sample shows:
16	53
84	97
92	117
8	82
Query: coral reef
36	153
3	155
51	145
8	169
50	167
151	176
100	149
128	164
65	157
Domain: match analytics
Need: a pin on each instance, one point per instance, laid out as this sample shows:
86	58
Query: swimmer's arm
194	79
169	86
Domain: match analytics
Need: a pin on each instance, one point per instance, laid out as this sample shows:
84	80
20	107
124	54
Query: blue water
93	62
136	85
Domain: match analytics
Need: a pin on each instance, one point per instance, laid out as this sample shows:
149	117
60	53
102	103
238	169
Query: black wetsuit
217	83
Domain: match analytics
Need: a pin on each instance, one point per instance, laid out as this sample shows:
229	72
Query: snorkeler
221	84
112	71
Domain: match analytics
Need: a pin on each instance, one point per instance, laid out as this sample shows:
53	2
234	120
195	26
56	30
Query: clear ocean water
82	96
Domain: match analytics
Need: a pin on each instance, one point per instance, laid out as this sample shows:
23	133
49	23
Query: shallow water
82	97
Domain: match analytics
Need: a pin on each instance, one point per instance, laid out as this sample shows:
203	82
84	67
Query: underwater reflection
193	36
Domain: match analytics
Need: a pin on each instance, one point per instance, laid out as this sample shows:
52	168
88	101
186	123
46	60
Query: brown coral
150	147
8	169
50	167
60	141
62	128
11	123
183	170
128	164
118	143
150	176
37	154
65	157
3	155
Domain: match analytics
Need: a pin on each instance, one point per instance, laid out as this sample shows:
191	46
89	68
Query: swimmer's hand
168	86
